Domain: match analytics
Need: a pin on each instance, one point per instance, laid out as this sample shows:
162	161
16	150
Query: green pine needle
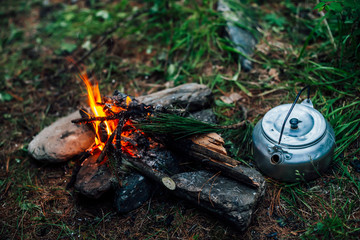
177	126
239	135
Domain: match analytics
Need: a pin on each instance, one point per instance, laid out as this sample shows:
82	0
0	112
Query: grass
169	43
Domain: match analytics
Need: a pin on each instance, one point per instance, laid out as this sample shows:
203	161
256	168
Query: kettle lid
305	126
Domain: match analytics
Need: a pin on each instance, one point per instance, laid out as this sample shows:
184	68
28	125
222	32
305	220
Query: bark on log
211	141
226	198
191	96
213	160
196	148
153	174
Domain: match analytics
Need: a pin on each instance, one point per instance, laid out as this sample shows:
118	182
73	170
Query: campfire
156	145
112	120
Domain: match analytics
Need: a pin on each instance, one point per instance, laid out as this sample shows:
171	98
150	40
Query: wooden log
212	141
151	173
191	96
189	147
212	160
231	172
225	198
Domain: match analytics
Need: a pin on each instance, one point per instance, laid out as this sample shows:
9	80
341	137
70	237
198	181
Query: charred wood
153	174
104	152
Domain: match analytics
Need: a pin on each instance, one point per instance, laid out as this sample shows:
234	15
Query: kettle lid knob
294	123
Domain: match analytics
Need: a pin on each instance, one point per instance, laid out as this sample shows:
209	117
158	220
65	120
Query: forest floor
159	44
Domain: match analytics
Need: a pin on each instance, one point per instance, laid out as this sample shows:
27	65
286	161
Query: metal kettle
293	142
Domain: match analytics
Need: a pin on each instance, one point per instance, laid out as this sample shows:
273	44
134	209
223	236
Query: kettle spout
276	158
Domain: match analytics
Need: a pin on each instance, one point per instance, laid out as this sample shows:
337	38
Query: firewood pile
113	154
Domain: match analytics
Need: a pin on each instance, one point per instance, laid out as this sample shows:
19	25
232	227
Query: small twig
94	119
107	144
129	140
216	174
20	224
138	110
211	186
122	116
120	129
6	190
147	212
7	164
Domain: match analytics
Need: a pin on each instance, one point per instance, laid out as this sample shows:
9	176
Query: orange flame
94	97
98	110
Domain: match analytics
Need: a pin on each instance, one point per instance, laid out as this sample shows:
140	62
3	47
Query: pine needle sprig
182	127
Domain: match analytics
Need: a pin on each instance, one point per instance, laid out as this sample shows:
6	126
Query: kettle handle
292	107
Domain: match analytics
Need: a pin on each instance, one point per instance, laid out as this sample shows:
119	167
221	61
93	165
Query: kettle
293	142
